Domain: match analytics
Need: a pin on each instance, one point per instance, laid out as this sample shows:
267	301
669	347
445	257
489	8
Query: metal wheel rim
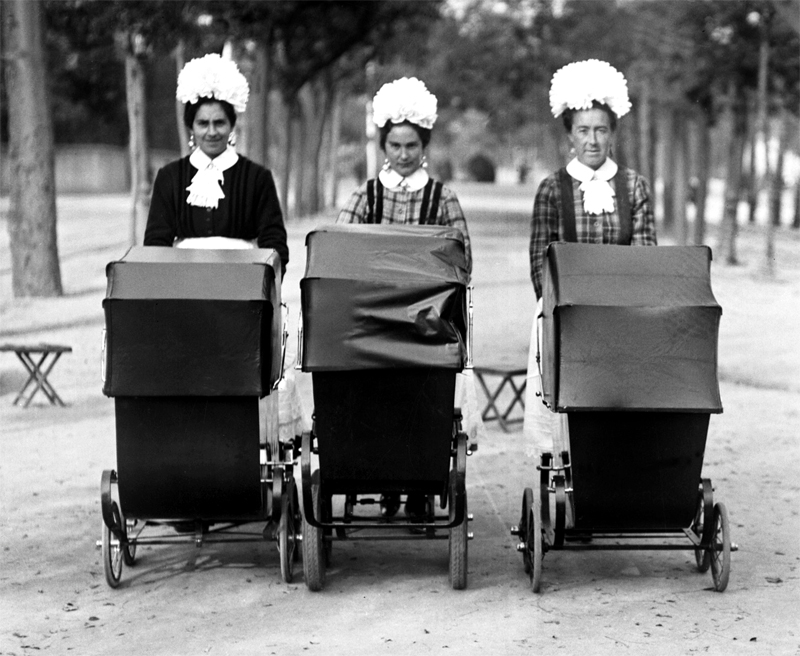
535	544
523	529
721	549
112	558
287	539
702	557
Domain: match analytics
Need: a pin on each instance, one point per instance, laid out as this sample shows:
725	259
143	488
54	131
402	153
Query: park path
393	598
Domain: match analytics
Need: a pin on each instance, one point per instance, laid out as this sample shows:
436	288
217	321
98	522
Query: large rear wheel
721	548
534	542
522	532
287	534
313	550
112	555
459	537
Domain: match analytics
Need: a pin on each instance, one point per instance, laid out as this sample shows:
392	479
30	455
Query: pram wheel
287	532
721	548
313	549
129	550
459	537
533	539
703	524
112	557
522	530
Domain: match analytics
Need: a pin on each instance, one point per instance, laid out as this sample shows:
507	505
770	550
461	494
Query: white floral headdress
406	99
212	76
578	85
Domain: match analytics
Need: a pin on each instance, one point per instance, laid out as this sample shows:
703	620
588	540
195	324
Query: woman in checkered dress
591	200
404	112
403	192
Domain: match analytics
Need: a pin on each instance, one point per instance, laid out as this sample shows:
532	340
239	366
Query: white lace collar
392	180
206	187
598	193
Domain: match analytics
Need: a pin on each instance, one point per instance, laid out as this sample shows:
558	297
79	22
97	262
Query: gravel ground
393	597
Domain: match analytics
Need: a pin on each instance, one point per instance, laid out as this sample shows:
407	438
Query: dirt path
393	597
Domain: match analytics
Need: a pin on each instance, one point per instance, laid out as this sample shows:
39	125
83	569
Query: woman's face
404	149
591	136
211	129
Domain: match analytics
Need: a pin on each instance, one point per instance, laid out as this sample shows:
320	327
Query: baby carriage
193	351
384	332
629	353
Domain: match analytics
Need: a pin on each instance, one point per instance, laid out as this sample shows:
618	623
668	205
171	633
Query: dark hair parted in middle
424	133
569	114
190	110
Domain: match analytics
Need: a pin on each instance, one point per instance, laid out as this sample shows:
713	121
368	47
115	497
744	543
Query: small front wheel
701	526
721	548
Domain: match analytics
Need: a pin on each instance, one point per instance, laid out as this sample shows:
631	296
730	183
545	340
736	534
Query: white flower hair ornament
406	99
212	76
577	85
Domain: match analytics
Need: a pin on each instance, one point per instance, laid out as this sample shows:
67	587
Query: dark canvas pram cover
629	328
184	322
383	296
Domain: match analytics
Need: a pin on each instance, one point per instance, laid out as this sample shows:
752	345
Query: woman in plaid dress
404	112
591	200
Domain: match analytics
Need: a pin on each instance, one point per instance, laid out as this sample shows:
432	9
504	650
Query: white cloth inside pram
466	398
221	243
542	430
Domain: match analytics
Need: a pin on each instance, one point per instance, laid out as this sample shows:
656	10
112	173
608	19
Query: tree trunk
289	107
701	187
796	220
668	168
333	150
729	226
137	146
370	131
680	161
751	181
763	130
776	186
32	210
183	137
256	137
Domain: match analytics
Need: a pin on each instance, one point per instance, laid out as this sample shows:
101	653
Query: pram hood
629	328
192	322
384	296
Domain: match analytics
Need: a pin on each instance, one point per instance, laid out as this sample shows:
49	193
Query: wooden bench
493	380
38	369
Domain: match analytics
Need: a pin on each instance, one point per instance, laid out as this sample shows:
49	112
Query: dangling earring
192	144
424	163
386	166
232	138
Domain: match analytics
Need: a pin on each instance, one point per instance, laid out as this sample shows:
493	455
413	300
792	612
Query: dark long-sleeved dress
250	209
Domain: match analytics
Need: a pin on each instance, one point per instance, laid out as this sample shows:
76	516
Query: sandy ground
393	597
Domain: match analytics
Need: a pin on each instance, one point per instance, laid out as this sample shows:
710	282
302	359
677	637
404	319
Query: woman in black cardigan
214	197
